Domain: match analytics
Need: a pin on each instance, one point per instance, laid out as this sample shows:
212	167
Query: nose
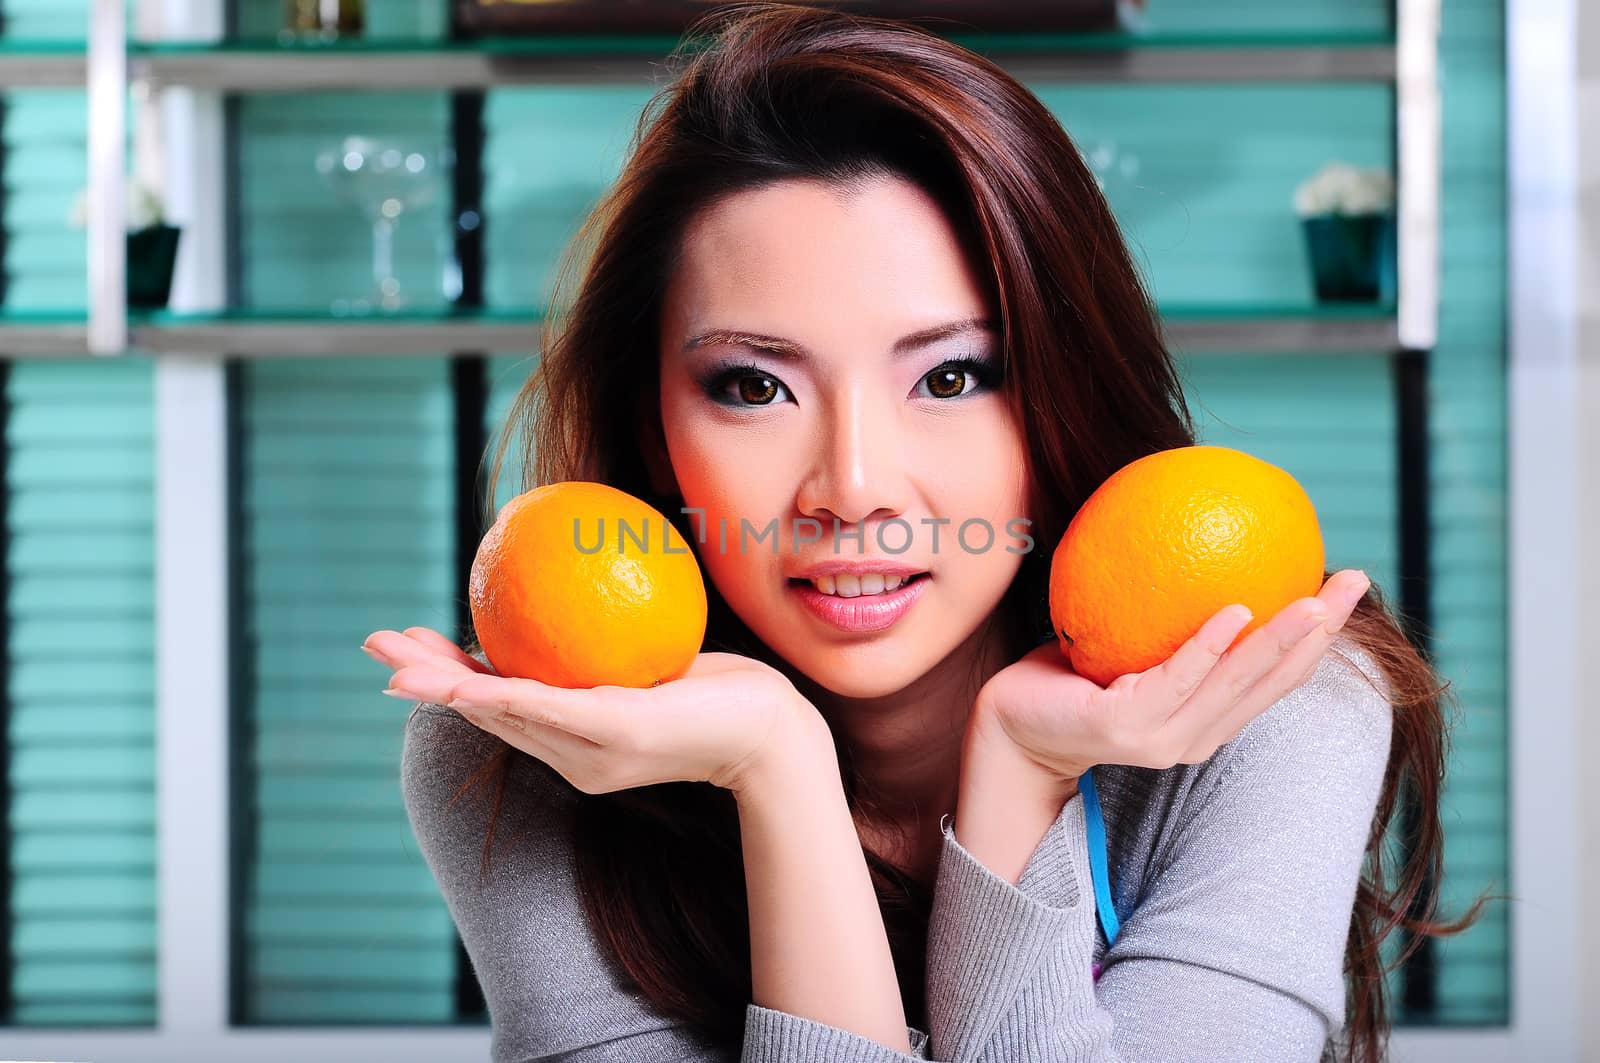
858	468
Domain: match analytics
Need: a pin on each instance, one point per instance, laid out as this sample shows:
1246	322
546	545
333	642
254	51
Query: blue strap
1099	870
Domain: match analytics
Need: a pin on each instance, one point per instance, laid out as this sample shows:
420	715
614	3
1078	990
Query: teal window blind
46	259
346	525
1233	16
536	198
77	587
47	20
79	691
507	374
1467	440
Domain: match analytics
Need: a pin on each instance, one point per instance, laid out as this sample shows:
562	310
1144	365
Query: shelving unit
268	66
497	63
259	66
258	333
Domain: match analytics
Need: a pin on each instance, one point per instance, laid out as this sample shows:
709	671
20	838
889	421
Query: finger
1172	682
578	712
1261	652
419	645
1244	665
398	650
1340	594
444	647
1295	668
1342	600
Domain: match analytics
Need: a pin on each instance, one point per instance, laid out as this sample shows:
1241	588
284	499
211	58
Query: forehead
804	257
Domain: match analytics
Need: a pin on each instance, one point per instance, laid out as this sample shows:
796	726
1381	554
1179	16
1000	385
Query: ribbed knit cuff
987	938
772	1036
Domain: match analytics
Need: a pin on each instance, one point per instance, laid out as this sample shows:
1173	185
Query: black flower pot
152	253
1352	256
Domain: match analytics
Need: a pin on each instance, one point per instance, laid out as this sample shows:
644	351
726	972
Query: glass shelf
1283	329
659	44
30	333
31	64
1326	312
247	65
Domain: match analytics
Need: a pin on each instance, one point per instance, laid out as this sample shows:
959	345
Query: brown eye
961	376
757	390
744	386
947	383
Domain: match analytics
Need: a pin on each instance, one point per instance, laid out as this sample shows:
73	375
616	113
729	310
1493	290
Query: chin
864	670
842	684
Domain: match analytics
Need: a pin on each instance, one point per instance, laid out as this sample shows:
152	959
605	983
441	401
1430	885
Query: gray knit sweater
1234	880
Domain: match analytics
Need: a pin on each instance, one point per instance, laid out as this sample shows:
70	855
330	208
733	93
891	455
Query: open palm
1178	712
717	723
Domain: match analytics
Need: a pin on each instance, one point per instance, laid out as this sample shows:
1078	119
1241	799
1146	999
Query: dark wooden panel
635	16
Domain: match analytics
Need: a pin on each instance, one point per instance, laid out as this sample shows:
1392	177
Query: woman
852	273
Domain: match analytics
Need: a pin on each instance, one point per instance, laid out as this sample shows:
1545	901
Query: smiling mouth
842	585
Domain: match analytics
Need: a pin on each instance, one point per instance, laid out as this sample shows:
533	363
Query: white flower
1339	188
142	207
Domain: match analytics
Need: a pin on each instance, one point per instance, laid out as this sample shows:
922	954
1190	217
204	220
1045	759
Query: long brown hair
762	92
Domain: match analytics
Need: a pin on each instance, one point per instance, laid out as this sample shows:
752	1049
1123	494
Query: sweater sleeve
553	993
1234	948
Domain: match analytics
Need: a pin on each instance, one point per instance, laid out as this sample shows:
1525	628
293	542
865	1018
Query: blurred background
272	270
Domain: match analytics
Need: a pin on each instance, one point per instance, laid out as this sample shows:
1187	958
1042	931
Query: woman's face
847	417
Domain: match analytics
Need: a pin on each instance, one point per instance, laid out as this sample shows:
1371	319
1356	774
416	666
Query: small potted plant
152	245
1347	214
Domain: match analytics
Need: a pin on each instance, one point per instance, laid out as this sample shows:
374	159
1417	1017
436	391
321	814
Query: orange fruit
579	584
1168	541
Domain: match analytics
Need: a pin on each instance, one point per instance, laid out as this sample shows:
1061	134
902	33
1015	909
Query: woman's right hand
726	721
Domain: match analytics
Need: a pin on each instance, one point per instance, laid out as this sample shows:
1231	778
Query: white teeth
845	585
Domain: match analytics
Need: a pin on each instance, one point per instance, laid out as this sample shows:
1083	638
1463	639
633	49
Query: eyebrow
790	350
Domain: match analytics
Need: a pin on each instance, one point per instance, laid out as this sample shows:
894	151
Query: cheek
978	468
730	473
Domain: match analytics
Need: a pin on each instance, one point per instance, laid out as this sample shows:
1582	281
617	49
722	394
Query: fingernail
370	652
460	705
395	692
1351	601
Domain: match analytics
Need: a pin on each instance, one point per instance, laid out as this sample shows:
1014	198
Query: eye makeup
987	372
716	379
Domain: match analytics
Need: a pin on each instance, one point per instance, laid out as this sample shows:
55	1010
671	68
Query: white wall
1588	707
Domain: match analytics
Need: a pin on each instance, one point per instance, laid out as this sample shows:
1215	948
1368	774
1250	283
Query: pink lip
863	613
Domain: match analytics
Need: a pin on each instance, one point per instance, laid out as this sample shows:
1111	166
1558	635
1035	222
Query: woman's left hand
1178	712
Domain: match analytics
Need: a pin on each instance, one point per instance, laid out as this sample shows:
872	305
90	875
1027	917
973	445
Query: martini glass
385	178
